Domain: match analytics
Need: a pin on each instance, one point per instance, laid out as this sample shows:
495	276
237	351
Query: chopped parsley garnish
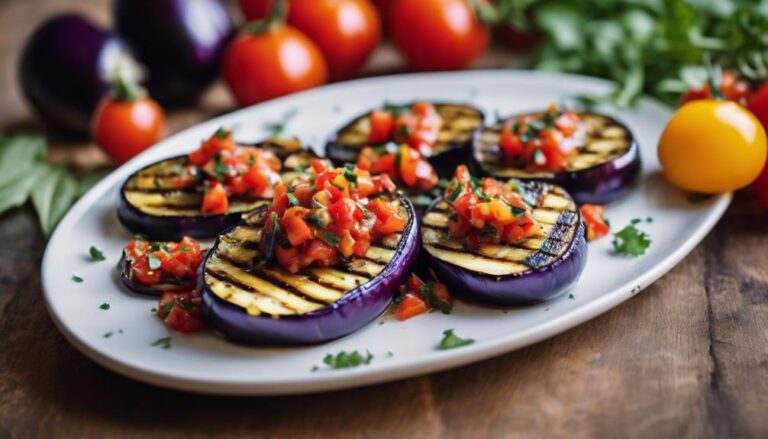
277	128
648	219
108	334
344	359
456	191
630	241
427	292
153	310
154	262
104	306
222	133
220	170
635	221
96	254
164	342
206	186
76	278
328	237
292	200
451	340
571	296
396	109
517	211
349	173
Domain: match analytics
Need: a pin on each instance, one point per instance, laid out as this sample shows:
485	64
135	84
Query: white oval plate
208	363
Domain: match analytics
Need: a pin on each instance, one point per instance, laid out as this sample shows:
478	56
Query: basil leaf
17	192
18	155
451	340
52	196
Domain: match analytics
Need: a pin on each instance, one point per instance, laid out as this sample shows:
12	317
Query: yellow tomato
712	146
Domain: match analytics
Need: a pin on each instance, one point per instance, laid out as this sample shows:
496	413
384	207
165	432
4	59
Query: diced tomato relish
594	218
541	142
181	310
419	297
230	170
417	126
328	215
488	211
155	262
403	164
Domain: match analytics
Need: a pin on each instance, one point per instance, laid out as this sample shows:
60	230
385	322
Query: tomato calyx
329	215
487	211
419	297
275	20
542	142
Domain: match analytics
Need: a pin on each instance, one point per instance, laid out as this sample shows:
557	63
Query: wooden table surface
688	357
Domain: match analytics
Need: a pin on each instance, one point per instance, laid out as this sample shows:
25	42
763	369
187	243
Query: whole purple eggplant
180	41
65	70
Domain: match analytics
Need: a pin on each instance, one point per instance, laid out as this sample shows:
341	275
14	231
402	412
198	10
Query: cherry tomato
712	146
758	105
437	34
279	61
123	129
731	89
345	31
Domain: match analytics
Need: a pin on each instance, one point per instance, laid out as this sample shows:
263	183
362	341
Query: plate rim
359	377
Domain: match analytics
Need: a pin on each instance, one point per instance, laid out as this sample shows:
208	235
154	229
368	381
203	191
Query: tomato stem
124	90
275	20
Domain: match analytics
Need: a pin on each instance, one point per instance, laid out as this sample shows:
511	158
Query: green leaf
16	193
52	196
451	340
76	278
18	155
344	359
164	342
96	254
630	241
563	23
104	306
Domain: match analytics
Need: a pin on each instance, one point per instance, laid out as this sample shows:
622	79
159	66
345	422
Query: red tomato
382	126
124	129
594	218
261	66
731	88
181	311
758	105
215	200
345	31
410	306
437	34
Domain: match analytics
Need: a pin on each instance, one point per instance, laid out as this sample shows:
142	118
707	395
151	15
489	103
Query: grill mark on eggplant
253	301
605	140
291	282
459	122
224	277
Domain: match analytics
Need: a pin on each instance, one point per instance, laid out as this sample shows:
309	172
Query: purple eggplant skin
603	183
172	228
356	309
180	41
533	286
64	71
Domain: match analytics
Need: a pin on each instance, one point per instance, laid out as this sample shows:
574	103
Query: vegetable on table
345	31
181	42
325	258
127	122
66	68
437	34
505	243
711	147
255	66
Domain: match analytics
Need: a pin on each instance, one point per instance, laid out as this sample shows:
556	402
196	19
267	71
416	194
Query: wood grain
688	357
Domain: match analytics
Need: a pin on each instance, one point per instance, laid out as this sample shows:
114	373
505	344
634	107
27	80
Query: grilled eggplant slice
460	122
534	270
251	300
605	167
150	204
124	269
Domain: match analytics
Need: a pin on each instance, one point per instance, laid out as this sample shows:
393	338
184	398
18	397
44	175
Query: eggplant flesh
535	269
606	165
459	124
152	204
252	300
